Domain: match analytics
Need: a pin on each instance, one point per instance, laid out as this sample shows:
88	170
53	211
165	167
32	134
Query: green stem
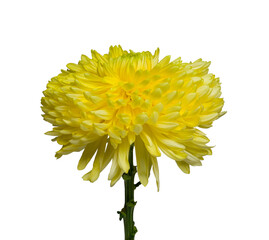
127	212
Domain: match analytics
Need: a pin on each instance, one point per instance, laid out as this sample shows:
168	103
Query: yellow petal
176	154
164	61
92	98
137	128
150	143
88	153
185	167
116	178
192	159
115	168
103	114
171	143
131	137
170	116
143	161
156	171
203	90
156	93
52	133
75	67
124	118
141	118
170	97
123	153
166	125
108	155
95	172
154	117
158	107
208	118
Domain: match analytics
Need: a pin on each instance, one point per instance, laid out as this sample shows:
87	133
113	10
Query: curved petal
95	172
115	168
156	171
88	153
150	142
143	160
116	178
185	167
122	155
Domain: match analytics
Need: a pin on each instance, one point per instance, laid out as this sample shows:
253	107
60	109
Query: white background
226	198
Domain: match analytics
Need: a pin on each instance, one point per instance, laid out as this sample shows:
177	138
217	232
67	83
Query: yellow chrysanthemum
106	103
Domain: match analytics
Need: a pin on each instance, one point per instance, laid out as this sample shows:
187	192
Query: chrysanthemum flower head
104	104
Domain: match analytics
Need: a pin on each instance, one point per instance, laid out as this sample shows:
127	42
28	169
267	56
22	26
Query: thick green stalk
127	212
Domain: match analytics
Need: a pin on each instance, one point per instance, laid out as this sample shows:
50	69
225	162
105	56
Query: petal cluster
107	102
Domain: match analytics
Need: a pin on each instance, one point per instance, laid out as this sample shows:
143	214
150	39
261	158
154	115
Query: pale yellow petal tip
86	177
58	155
158	186
222	114
126	169
51	133
113	182
91	176
80	167
144	181
185	167
124	165
187	171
